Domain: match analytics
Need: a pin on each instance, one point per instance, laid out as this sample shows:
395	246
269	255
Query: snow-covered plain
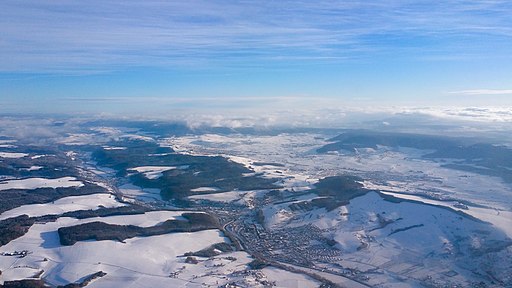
142	260
408	241
78	139
152	172
424	238
33	168
34	183
283	278
204	189
114	148
390	169
220	197
394	244
499	218
66	204
155	261
133	192
39	156
12	155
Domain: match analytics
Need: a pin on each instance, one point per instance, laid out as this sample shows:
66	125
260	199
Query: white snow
12	155
393	169
113	148
107	130
34	183
146	220
72	155
291	150
396	237
220	197
152	172
204	189
103	172
283	278
347	241
141	194
78	139
138	137
137	260
33	168
403	255
66	204
276	214
140	261
39	156
501	219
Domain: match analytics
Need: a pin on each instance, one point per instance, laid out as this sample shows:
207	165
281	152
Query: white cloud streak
63	36
483	92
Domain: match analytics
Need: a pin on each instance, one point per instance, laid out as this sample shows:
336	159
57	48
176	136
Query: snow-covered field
114	148
66	204
155	261
78	139
204	189
12	155
40	156
221	197
407	241
433	233
33	168
131	191
499	218
152	172
34	183
401	170
146	261
283	278
418	239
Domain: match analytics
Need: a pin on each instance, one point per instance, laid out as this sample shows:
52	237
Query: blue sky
112	56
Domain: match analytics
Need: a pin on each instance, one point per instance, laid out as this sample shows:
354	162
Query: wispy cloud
60	36
483	92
